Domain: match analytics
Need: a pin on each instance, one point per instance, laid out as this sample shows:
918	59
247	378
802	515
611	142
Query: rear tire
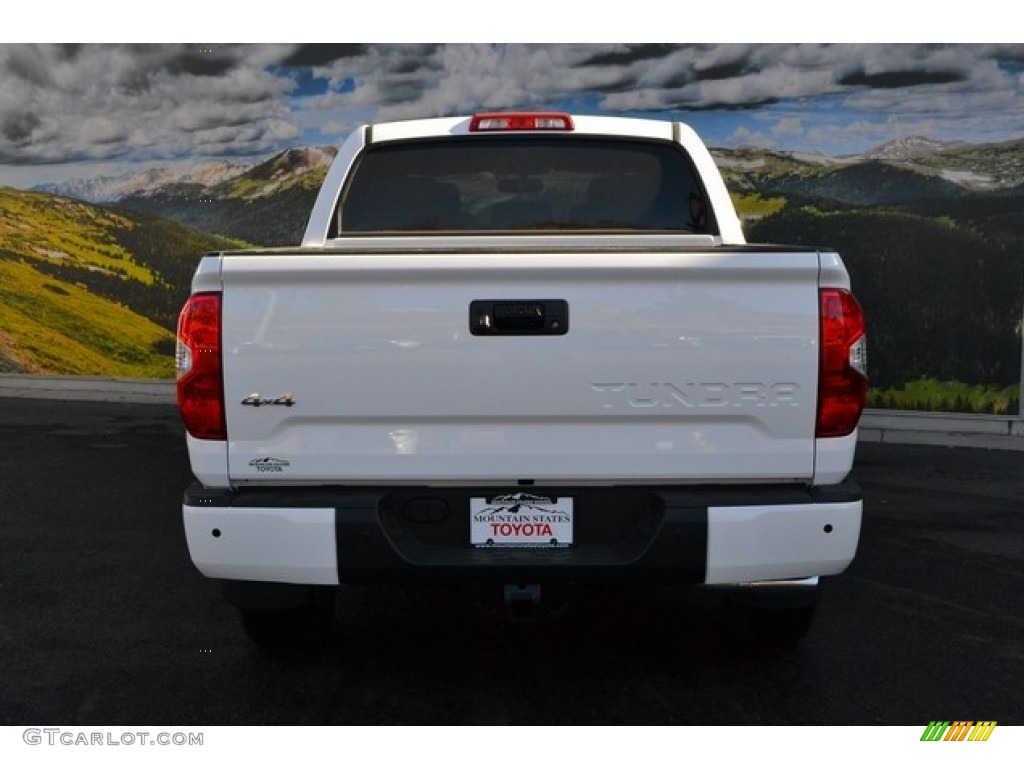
307	627
770	619
771	629
284	617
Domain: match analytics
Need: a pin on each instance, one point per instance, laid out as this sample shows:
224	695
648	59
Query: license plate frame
521	521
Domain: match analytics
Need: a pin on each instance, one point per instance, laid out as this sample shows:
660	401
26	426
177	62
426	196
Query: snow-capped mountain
909	147
110	189
250	180
209	174
105	189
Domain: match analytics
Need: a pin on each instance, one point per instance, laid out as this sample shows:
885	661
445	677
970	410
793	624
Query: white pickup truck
521	349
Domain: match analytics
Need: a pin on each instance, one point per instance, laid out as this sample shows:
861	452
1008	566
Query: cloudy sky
75	111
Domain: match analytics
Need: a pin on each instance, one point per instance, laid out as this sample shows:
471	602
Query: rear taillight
843	377
521	121
198	361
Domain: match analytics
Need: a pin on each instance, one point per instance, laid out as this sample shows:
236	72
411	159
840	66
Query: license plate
520	520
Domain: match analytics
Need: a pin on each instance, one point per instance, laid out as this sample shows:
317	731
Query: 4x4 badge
287	399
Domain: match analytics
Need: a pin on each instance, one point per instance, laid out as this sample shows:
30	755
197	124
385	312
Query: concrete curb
899	427
96	389
949	429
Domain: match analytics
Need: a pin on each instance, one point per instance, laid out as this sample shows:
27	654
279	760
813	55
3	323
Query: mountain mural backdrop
92	273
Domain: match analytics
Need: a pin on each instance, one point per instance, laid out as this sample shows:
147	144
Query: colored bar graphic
959	730
935	730
982	730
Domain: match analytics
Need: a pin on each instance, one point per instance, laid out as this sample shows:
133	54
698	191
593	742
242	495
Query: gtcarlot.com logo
959	730
60	737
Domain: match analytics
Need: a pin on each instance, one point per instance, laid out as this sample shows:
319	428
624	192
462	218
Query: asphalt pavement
104	620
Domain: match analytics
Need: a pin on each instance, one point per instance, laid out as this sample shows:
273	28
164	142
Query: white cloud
161	102
744	137
789	126
62	103
102	130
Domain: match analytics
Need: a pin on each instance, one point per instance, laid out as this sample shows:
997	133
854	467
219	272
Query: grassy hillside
88	290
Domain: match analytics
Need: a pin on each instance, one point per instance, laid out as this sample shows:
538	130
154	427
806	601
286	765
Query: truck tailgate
675	366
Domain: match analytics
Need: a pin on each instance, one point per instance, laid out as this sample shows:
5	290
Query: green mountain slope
942	297
933	236
89	290
752	170
871	183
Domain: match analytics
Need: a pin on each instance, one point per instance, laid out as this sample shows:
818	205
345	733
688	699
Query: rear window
524	184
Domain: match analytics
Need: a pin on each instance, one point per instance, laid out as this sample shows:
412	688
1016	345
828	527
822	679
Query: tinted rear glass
519	183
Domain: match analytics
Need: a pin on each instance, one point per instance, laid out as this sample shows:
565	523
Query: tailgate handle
549	317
